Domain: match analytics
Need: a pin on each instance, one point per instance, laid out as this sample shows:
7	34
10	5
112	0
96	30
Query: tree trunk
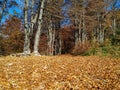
84	28
26	49
37	36
114	17
50	39
79	32
114	26
60	46
33	16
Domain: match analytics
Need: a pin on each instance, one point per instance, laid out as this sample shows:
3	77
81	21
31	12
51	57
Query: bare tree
26	49
37	36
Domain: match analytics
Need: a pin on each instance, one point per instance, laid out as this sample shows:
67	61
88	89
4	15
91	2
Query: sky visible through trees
56	23
14	10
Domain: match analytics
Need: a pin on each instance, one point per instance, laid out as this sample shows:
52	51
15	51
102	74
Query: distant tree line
93	23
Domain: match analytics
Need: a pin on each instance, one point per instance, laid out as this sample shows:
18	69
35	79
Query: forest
77	27
59	44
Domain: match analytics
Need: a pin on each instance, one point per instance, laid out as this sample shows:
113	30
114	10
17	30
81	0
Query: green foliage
115	40
107	50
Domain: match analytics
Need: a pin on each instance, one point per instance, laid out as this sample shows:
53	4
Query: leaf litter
62	72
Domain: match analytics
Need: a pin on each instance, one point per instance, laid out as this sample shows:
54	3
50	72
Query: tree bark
38	32
84	27
26	49
60	46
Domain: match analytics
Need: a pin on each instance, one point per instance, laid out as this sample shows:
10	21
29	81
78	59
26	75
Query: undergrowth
110	50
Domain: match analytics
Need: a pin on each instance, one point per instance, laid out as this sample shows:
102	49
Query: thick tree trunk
37	36
100	29
33	16
26	49
27	43
50	41
51	38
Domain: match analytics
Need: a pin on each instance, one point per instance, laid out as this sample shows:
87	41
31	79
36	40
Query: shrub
81	48
13	44
110	50
113	51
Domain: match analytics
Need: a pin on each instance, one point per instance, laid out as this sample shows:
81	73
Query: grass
64	72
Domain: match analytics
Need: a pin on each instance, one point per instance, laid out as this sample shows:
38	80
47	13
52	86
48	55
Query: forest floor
64	72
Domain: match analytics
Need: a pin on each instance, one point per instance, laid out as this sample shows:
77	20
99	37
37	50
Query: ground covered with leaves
63	72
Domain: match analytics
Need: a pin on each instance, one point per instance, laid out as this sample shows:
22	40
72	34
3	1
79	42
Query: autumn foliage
67	36
81	48
14	40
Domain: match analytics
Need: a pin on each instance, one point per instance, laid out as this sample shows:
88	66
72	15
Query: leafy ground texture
64	72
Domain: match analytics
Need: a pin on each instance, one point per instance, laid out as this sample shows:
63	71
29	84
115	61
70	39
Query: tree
27	31
53	14
38	32
3	6
12	41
